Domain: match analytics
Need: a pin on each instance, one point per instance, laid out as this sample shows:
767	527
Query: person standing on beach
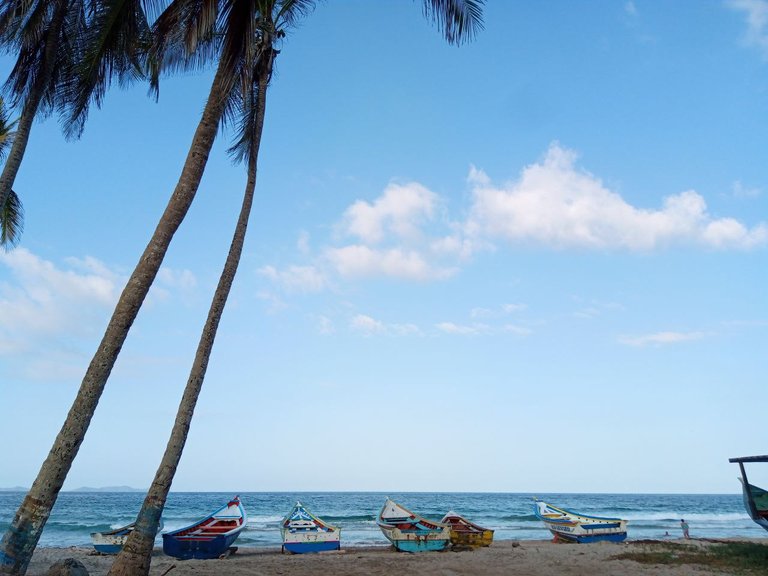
684	526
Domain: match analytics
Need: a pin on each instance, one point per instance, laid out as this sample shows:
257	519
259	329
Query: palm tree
12	212
271	18
188	32
43	33
135	557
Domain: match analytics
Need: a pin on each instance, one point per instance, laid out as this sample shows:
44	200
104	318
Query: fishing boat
466	533
410	532
755	498
304	532
112	541
580	528
210	537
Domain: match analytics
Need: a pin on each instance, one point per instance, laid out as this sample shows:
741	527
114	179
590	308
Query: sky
536	262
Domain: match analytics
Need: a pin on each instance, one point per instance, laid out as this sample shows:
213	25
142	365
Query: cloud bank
557	205
553	204
49	311
756	13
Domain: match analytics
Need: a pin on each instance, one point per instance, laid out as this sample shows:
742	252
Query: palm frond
185	36
244	113
6	130
290	12
112	46
458	20
11	221
43	40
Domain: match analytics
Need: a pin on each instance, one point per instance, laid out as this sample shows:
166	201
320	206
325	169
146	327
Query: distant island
83	489
107	489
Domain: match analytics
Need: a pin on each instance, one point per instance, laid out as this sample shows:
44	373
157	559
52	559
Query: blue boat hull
589	538
107	548
310	547
421	545
187	548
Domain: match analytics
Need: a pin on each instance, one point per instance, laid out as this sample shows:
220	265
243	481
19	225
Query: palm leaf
458	20
6	130
11	221
113	45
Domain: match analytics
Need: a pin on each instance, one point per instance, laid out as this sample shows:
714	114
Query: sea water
653	516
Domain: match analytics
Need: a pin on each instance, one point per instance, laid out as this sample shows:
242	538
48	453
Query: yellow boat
466	533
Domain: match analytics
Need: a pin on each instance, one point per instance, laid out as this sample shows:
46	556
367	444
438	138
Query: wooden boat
210	537
112	541
466	533
304	532
410	532
755	498
580	528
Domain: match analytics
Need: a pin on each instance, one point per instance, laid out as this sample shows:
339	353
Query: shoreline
526	557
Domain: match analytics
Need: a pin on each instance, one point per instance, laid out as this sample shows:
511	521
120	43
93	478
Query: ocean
77	514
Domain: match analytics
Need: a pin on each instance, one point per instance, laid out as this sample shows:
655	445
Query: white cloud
661	338
362	261
515	329
182	279
630	8
369	326
296	278
169	281
51	314
477	329
756	12
46	301
556	204
48	312
742	191
399	212
503	310
366	325
451	328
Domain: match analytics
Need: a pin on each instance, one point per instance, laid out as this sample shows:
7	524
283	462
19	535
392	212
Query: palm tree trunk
135	557
31	104
22	536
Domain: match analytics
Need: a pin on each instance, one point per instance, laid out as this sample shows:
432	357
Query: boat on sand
304	532
580	528
112	541
410	532
467	533
210	537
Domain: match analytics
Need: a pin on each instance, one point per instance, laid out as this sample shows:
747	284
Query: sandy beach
524	558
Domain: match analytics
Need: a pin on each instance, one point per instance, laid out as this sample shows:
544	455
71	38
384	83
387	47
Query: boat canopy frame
748	497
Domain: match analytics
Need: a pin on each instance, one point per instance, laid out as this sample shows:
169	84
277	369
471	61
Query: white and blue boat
210	537
580	528
303	532
410	532
112	541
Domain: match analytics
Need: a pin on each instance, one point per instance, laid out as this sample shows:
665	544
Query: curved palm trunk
22	536
32	103
135	557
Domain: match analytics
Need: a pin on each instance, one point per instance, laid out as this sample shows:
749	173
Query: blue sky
535	263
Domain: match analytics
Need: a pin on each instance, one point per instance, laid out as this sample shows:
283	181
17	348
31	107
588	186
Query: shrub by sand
743	558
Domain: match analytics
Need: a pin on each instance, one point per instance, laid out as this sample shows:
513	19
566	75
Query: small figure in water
684	526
